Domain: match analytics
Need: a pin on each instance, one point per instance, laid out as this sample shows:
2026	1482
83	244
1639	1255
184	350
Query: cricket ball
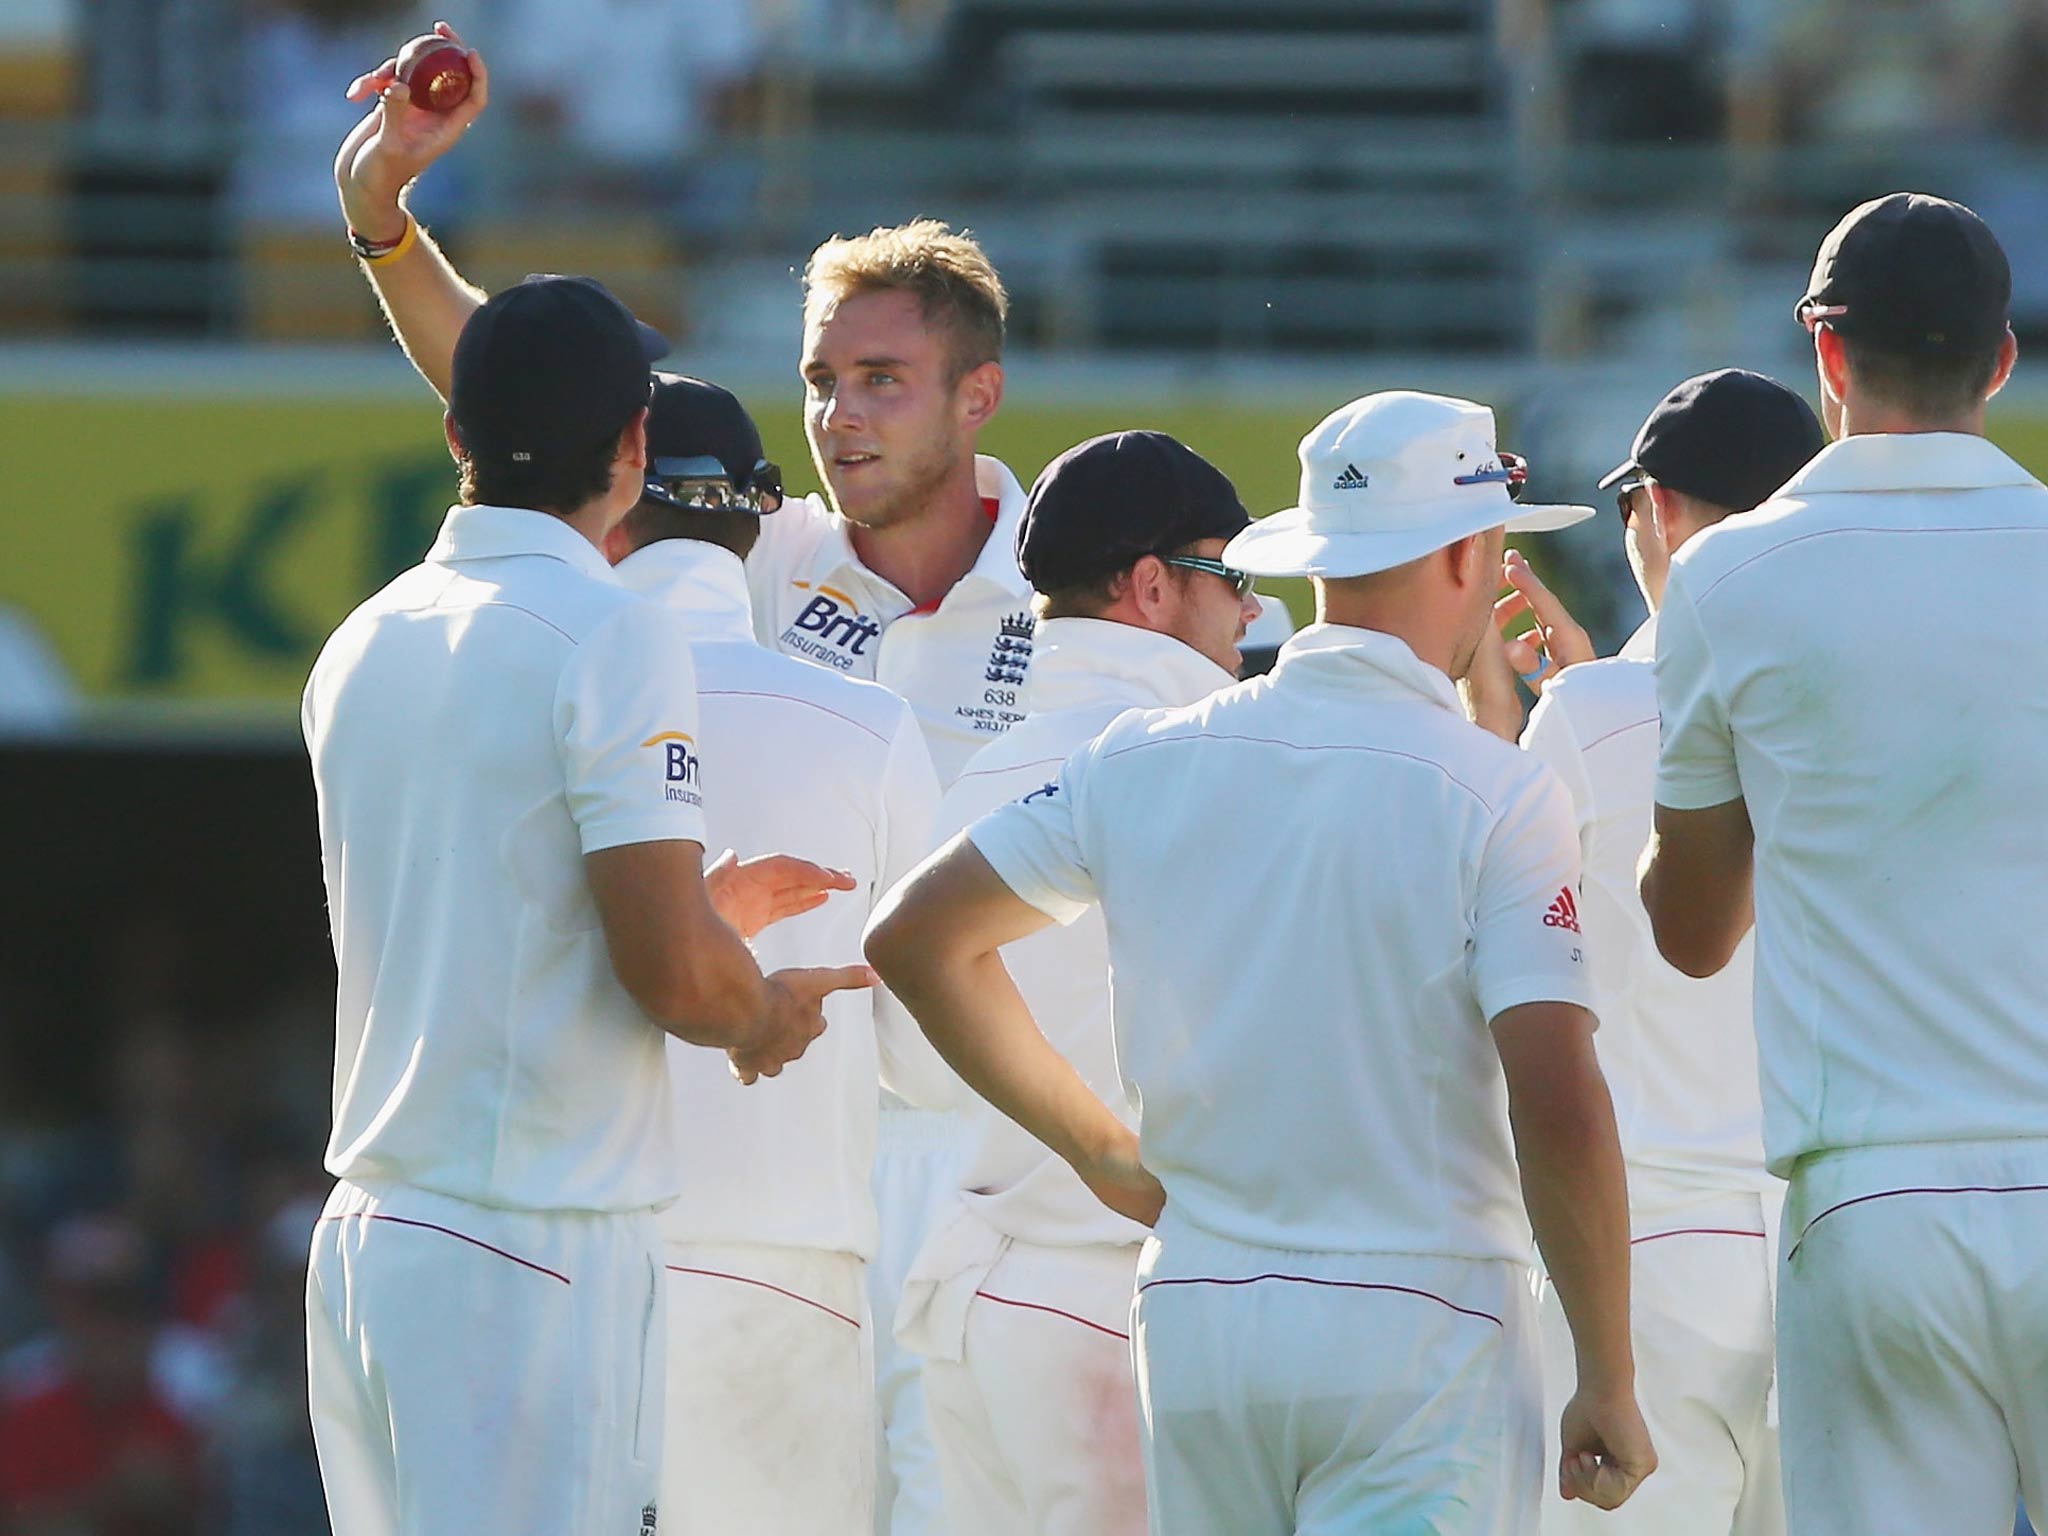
436	72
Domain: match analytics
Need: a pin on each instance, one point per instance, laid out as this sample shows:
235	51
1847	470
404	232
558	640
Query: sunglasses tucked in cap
549	368
1911	271
1731	438
1390	478
704	451
1106	503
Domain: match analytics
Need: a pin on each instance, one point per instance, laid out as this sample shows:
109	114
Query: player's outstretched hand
753	894
1124	1184
1606	1450
397	141
1556	641
794	1018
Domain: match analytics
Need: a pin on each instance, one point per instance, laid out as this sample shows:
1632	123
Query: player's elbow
1688	944
891	944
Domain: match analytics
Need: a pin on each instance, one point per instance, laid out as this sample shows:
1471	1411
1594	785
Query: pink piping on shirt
1886	1194
428	1226
1342	1285
1033	1306
714	1274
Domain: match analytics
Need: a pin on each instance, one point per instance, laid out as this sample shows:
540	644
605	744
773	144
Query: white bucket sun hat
1388	479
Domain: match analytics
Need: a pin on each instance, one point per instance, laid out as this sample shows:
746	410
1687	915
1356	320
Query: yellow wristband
406	242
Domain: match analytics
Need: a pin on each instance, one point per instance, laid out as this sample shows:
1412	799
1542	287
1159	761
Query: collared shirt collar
1079	662
996	565
705	583
1642	645
1907	461
1364	655
997	562
491	533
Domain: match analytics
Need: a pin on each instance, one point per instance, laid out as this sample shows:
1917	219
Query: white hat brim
1289	544
1547	517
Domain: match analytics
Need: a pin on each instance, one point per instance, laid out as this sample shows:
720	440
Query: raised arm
423	296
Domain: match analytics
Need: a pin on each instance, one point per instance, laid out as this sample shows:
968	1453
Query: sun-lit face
881	408
1210	617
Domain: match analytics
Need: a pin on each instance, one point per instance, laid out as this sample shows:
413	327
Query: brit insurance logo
1010	656
681	766
830	628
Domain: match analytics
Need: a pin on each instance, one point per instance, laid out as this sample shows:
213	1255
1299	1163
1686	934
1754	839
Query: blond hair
949	274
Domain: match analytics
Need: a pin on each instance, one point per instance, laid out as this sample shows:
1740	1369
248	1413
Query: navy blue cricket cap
1914	272
1730	438
549	367
697	430
1106	503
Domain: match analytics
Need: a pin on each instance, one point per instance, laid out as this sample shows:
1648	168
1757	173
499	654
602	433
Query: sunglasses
1813	314
1625	498
1512	473
1240	580
701	484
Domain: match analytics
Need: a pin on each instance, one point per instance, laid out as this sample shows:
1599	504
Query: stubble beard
906	502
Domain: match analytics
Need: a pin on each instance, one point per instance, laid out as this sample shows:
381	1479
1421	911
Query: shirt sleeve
1527	944
1034	844
1696	757
1550	737
626	729
910	803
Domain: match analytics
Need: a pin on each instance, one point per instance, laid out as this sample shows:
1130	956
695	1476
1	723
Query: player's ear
1831	357
1468	561
632	452
454	434
979	392
2008	354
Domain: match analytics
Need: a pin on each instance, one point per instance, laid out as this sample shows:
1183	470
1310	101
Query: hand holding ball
436	71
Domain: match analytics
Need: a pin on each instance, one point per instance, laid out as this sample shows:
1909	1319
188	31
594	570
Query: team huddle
1221	1143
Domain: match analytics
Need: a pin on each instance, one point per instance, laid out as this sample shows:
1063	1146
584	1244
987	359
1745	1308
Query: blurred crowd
159	1182
1868	74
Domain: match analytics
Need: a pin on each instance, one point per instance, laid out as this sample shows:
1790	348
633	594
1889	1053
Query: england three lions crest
1010	656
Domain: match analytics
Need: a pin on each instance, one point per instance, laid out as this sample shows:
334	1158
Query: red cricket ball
437	71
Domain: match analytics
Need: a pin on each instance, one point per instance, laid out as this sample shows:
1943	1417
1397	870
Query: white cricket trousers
1913	1338
916	1160
1290	1392
1700	1302
1036	1423
771	1401
476	1369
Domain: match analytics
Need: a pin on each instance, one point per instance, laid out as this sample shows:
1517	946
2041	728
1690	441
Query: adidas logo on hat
1352	480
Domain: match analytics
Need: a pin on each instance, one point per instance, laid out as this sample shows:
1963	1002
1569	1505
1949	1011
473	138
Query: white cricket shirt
961	664
1859	660
1679	1054
493	715
1085	674
1319	887
836	771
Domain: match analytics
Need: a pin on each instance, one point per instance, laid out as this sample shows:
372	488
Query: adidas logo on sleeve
1564	912
1352	480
